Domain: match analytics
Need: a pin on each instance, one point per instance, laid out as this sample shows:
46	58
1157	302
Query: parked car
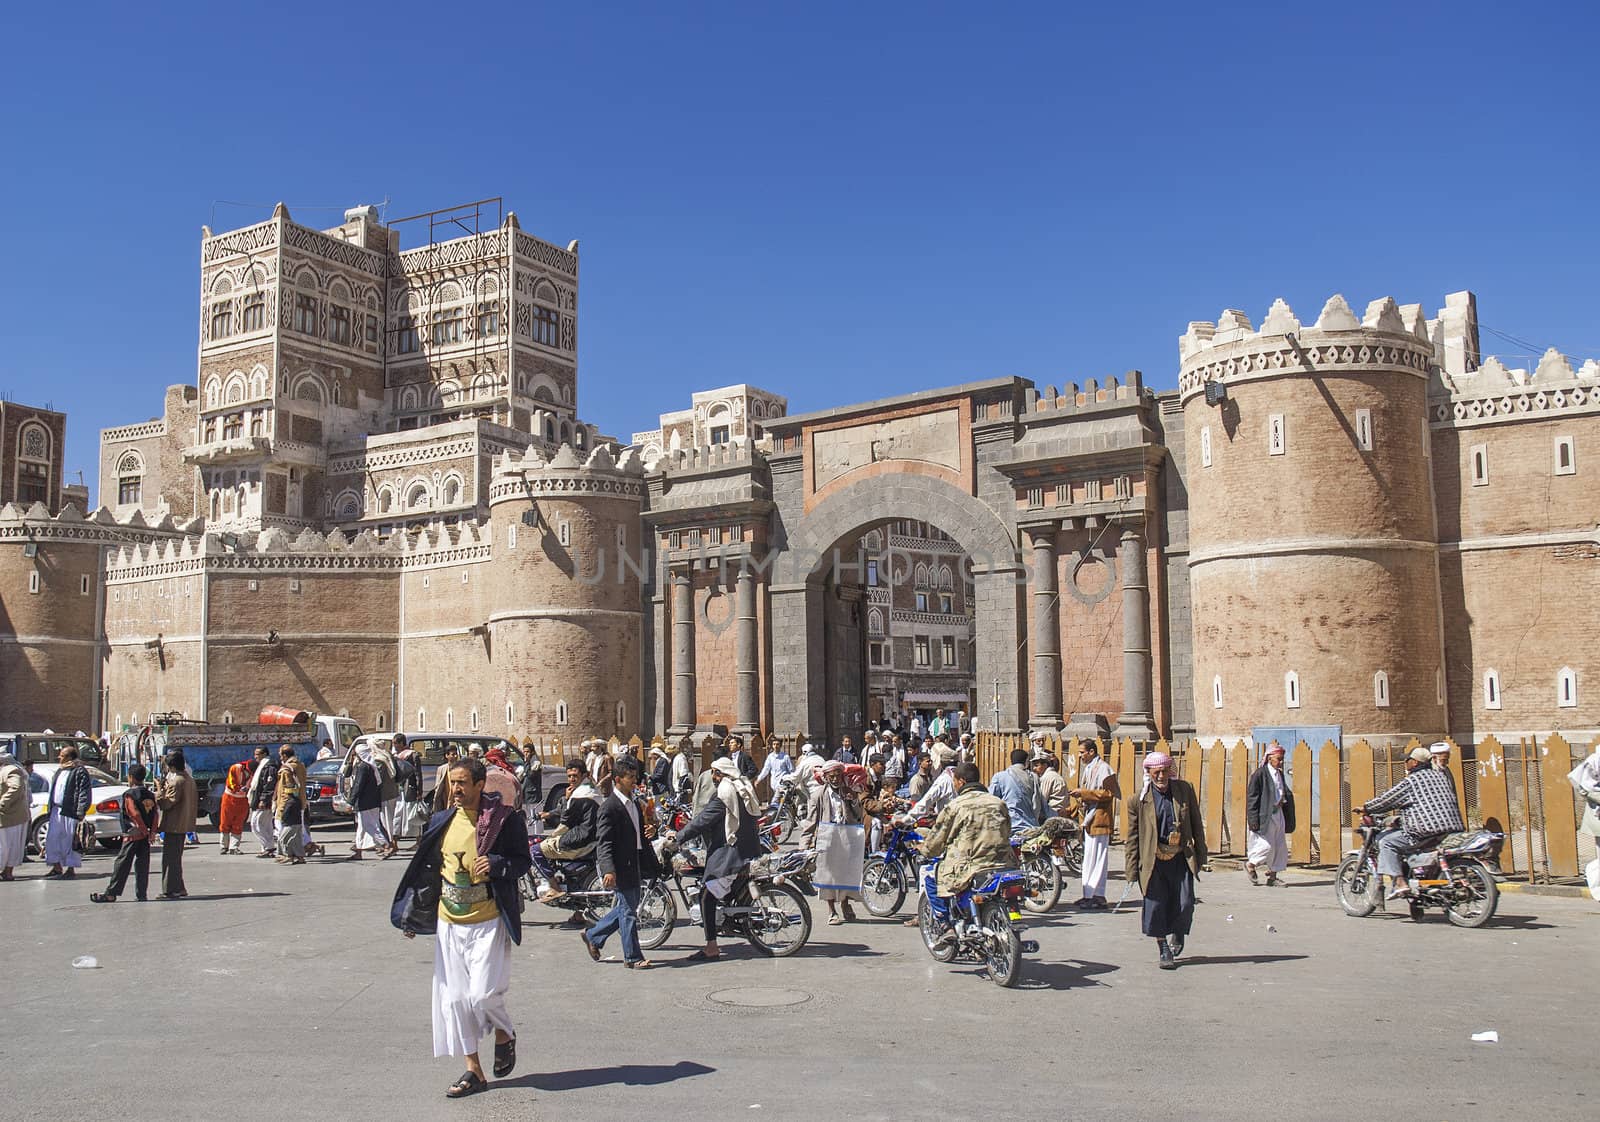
323	801
45	747
430	746
105	812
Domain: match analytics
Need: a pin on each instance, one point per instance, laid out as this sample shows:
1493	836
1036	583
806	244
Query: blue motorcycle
977	924
888	876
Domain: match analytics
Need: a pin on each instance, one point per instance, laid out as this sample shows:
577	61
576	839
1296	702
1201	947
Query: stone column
1045	712
683	707
1138	719
748	706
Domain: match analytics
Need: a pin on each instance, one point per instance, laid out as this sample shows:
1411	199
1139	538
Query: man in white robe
1270	817
16	803
71	792
261	792
1096	793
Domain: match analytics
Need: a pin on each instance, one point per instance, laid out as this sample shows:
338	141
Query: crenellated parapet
1094	395
1387	339
35	523
568	473
1494	393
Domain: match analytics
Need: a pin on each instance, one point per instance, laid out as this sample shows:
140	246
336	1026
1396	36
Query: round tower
566	623
1313	564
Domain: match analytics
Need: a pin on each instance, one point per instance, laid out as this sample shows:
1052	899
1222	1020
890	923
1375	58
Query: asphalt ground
281	993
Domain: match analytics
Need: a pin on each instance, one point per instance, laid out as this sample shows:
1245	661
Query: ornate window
489	318
339	325
130	474
447	327
385	500
348	506
233	426
546	325
406	336
33	464
255	313
305	313
222	319
452	491
417	497
947	652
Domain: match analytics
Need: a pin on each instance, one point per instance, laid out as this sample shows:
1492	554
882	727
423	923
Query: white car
105	812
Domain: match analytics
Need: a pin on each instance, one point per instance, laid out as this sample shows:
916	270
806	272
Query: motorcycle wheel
1357	888
658	915
1476	895
788	819
781	922
590	882
1044	884
1072	854
883	887
1002	946
530	885
930	934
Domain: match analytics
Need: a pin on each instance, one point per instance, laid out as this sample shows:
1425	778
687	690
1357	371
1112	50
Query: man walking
261	793
140	818
1097	793
177	799
741	758
625	861
1269	817
1166	846
469	860
15	807
71	792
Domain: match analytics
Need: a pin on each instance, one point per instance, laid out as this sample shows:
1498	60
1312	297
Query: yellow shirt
459	854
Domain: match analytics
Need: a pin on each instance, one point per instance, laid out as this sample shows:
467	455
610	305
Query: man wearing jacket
625	860
263	791
1166	847
15	808
1269	817
1426	799
469	860
71	792
177	799
1097	793
972	834
1018	788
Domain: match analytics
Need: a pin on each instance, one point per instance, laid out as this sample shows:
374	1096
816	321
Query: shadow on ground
632	1075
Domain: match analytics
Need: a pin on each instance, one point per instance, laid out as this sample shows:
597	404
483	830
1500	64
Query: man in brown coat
1096	797
1166	846
178	807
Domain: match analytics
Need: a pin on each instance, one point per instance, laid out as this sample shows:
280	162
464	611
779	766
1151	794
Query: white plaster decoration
1205	446
1291	690
1216	692
1380	689
1491	689
1277	439
561	712
1479	456
1364	429
1566	456
1567	688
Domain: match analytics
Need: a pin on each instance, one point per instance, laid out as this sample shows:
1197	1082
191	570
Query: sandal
505	1058
1250	871
102	898
836	920
642	964
701	956
468	1084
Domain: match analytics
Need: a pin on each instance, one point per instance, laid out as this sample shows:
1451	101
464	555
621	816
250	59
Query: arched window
213	391
1380	689
561	712
1291	690
1567	688
385	500
417	497
422	719
452	491
622	714
1216	692
233	391
511	713
1491	689
309	388
549	429
34	462
566	433
130	477
348	506
472	719
449	720
875	622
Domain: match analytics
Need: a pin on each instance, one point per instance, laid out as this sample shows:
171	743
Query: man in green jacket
972	834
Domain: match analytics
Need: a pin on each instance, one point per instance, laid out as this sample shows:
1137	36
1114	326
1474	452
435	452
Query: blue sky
835	201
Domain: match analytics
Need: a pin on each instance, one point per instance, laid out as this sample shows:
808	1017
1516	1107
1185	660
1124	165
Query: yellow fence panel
1494	803
1300	782
1214	790
1560	819
1330	815
1238	778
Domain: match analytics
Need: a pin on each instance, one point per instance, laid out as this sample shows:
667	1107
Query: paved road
280	993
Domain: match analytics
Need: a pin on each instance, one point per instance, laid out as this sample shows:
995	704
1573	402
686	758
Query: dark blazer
77	792
747	763
1139	854
502	838
723	859
619	851
1259	796
365	792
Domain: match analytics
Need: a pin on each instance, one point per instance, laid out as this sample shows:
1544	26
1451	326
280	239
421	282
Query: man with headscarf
1428	810
728	823
1052	787
383	766
1269	817
1096	793
71	794
660	770
1166	846
16	806
367	801
261	794
841	849
805	768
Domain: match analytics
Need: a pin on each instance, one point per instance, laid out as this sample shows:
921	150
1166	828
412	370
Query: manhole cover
759	997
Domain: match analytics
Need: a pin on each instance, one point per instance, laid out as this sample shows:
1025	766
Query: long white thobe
1269	849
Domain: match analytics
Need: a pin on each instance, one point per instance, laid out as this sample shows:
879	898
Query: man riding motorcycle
575	820
972	834
1426	800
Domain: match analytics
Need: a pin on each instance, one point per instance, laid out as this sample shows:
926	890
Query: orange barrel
283	715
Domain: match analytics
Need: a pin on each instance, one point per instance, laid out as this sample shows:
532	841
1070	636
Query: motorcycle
1455	875
980	923
765	906
788	806
888	876
586	895
1034	849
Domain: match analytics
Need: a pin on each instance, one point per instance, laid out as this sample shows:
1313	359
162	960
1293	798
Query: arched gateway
760	605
